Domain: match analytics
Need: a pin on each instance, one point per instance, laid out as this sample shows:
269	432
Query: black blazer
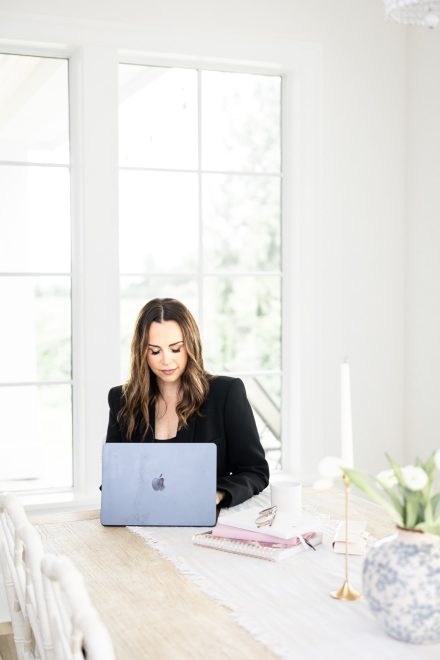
227	420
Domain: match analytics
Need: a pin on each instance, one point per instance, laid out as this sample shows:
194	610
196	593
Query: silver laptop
159	483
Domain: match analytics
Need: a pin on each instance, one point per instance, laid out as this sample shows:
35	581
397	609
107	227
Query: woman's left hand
219	496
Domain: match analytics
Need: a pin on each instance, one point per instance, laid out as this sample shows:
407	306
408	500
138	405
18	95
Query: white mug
287	496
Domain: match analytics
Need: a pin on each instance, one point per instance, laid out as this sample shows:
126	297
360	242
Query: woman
169	397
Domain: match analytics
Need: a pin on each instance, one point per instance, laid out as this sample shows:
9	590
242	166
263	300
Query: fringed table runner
286	605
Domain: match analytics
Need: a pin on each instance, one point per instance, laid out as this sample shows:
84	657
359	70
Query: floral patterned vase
401	582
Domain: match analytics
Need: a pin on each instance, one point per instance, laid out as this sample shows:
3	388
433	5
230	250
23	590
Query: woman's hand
219	496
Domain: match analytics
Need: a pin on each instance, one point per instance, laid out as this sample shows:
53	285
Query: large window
200	217
35	275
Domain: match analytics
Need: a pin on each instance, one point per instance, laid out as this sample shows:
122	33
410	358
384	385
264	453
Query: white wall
353	293
422	421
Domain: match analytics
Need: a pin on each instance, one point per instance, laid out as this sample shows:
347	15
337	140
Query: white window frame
94	54
62	493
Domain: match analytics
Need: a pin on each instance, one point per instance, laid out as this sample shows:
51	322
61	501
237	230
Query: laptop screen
159	484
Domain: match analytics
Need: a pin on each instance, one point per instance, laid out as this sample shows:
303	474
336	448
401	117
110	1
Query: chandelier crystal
425	13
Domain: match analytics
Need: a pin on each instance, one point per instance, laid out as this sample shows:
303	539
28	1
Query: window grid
22	482
201	275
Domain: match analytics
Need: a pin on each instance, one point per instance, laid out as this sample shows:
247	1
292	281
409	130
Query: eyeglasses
266	516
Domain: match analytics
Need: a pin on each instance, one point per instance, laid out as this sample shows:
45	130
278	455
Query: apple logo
158	483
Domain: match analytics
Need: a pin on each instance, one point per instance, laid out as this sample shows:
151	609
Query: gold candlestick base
346	592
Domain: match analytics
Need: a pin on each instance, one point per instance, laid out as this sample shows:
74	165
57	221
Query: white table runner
286	605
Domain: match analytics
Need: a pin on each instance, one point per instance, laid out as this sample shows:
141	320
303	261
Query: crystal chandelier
414	12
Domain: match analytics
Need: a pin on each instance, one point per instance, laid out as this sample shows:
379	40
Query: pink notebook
271	549
229	532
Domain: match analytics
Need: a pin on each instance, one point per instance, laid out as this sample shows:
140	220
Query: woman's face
166	353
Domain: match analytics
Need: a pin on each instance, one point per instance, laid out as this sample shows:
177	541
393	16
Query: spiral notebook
271	550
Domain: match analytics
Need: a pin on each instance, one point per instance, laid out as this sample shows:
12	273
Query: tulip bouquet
406	493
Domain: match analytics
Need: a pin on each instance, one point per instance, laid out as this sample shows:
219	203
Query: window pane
158	222
34	219
239	229
241	115
137	291
242	323
158	117
264	394
35	329
241	217
34	104
36	447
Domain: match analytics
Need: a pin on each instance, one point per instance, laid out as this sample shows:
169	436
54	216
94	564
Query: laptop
159	484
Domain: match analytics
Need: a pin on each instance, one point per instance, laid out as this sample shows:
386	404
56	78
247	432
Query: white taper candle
346	420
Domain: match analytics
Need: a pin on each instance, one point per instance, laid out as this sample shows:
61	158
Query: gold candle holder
347	591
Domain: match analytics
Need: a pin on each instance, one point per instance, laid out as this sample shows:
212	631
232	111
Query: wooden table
152	610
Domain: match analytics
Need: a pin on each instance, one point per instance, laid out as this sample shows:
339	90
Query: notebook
284	526
229	532
160	484
271	550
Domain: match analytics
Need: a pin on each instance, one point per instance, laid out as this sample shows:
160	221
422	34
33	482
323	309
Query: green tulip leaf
430	466
361	481
412	510
429	529
427	514
435	499
393	497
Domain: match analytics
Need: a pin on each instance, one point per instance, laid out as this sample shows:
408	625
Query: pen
305	541
310	544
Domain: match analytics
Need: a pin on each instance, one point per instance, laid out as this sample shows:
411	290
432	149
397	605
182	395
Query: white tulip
330	467
387	478
414	478
437	459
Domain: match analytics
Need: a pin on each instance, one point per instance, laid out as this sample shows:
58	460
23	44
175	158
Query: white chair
12	518
76	628
30	554
21	553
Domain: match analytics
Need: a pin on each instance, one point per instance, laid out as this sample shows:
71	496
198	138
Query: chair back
76	628
30	556
13	518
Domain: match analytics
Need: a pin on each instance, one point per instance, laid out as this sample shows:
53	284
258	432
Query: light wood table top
149	607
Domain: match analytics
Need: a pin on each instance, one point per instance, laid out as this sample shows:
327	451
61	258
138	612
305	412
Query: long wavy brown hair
141	390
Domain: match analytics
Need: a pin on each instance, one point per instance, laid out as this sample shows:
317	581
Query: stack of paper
237	532
357	537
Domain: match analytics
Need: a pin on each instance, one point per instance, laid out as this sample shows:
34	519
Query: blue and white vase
401	582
